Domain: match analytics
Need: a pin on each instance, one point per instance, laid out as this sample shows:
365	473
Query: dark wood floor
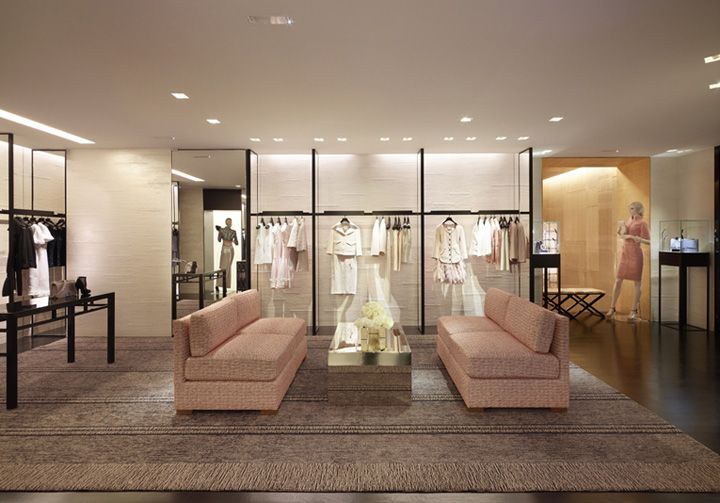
674	374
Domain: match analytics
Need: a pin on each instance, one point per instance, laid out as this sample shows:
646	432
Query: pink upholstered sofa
514	356
229	358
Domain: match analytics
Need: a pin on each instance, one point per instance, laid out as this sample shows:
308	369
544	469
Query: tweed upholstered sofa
229	358
515	356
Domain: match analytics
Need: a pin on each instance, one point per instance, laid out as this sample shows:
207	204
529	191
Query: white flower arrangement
374	317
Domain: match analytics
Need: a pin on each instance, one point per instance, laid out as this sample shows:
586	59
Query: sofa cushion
499	355
496	305
456	324
246	357
249	307
213	325
289	326
531	324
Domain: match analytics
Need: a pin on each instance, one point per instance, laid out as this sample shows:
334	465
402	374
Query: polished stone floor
674	374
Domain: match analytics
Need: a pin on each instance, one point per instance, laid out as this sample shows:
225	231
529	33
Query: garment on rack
21	256
280	273
482	235
39	277
297	245
406	244
378	241
450	253
263	245
518	242
175	245
345	245
396	248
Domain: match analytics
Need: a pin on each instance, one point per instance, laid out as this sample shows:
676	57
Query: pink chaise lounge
514	356
229	358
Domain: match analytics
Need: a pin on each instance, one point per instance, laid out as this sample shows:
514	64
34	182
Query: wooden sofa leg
268	412
183	412
478	410
558	409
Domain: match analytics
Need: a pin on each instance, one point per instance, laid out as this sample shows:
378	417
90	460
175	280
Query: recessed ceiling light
471	138
43	127
186	176
319	140
341	138
716	85
466	119
278	139
523	138
384	138
671	150
255	139
271	20
407	138
556	119
238	186
501	138
180	96
712	59
448	138
213	121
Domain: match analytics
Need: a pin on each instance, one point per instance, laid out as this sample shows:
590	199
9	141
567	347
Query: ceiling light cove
670	151
384	138
712	59
448	138
341	138
319	140
180	96
271	20
255	140
542	152
556	119
214	122
523	138
279	139
186	176
466	119
471	138
24	121
716	85
501	138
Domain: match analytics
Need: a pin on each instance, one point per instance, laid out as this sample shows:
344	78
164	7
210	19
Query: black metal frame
716	242
200	278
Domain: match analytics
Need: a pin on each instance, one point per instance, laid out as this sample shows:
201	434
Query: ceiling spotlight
523	138
341	138
384	138
238	186
466	119
556	119
19	119
180	96
448	138
671	150
212	121
186	176
319	140
278	139
716	85
501	138
712	59
407	138
256	140
471	138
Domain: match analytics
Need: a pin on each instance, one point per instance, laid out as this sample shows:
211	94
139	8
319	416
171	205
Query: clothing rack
33	213
477	212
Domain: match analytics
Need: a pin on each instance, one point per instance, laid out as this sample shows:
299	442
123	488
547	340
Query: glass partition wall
209	225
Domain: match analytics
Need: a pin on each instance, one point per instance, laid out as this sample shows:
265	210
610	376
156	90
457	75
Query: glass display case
550	242
685	236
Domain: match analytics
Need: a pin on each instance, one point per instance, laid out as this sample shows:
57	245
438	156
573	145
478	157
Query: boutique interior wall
682	189
589	197
119	235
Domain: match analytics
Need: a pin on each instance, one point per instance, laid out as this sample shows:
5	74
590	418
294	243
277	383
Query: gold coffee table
369	378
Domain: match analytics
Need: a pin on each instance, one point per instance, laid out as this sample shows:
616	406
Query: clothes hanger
449	219
344	220
286	221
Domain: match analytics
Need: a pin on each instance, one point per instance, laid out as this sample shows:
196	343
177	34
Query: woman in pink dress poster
634	232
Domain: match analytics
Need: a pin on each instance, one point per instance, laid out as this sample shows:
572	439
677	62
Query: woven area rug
93	426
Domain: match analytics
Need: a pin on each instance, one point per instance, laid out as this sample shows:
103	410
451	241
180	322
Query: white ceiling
218	168
625	74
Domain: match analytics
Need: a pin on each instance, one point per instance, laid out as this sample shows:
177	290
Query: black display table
683	260
14	311
200	278
547	261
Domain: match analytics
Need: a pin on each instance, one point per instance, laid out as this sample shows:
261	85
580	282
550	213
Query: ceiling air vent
271	20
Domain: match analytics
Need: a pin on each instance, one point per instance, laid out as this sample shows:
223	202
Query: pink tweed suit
631	260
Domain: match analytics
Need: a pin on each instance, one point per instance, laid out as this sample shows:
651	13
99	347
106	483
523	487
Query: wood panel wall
589	197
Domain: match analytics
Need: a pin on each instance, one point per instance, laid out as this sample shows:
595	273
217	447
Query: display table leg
11	378
111	329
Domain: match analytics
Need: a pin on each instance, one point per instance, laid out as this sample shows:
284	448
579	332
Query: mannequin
228	237
634	233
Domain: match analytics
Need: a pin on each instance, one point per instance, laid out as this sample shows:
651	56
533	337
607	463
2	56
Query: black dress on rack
20	256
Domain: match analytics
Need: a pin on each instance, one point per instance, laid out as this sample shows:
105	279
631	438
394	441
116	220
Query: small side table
547	261
200	278
683	260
